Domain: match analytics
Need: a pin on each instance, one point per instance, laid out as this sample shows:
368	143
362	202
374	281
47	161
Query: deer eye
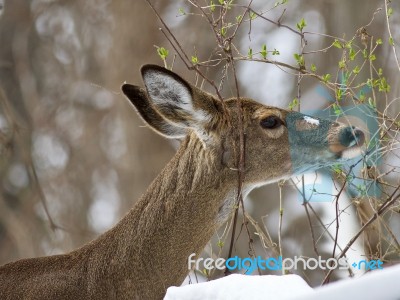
271	122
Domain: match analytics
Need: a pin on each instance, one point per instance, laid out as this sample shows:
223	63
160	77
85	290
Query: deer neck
187	194
177	216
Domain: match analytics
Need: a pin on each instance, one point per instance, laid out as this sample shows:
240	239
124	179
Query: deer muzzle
349	142
316	143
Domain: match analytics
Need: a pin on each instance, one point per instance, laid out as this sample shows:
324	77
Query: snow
311	121
239	286
378	284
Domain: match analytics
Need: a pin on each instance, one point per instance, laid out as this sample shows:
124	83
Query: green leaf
275	52
195	60
313	68
372	57
294	103
299	58
301	24
212	6
326	77
371	103
380	71
383	85
391	41
379	42
389	12
181	11
229	4
223	31
362	189
239	18
337	168
356	70
336	109
362	96
337	44
339	94
252	15
221	2
352	54
206	272
162	52
365	53
250	53
263	51
342	64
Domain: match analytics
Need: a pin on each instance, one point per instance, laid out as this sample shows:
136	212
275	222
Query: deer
196	192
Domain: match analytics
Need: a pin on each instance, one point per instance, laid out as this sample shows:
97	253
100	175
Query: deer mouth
348	143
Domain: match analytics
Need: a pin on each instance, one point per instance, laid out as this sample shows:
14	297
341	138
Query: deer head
278	143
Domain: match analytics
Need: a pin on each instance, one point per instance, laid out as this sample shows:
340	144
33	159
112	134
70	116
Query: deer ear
177	101
137	96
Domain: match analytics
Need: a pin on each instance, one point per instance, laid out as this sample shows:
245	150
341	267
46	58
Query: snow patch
378	284
311	120
237	286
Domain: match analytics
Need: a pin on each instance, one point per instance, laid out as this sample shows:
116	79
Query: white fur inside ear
173	132
164	88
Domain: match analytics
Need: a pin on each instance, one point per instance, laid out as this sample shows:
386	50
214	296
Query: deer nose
351	136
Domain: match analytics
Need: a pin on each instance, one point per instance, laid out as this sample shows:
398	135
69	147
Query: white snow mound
378	284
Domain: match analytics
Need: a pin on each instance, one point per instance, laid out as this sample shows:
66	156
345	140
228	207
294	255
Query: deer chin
306	161
349	153
346	153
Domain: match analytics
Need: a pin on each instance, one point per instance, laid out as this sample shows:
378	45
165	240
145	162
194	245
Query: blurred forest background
71	146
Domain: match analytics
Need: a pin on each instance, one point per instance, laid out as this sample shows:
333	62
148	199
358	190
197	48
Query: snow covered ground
378	284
